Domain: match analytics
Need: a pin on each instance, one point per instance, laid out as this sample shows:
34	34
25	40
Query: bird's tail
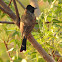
23	46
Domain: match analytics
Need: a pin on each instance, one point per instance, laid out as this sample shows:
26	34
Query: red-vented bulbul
27	23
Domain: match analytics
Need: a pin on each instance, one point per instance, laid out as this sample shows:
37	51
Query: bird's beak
35	8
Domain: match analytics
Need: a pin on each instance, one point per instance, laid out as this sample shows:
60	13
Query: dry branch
8	10
17	13
4	5
7	22
10	3
56	55
5	11
8	52
39	48
10	13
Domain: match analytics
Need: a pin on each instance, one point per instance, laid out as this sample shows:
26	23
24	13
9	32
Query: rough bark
39	48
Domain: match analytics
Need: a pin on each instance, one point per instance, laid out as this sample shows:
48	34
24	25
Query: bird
27	23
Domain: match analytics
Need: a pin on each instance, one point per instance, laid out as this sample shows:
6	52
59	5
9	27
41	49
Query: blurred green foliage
48	32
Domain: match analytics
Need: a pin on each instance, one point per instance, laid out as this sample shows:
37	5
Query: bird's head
30	8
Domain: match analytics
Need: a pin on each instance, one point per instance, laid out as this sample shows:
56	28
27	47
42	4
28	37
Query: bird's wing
26	24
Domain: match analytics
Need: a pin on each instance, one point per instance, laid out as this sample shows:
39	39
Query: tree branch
21	4
8	52
7	22
10	3
17	13
7	10
10	12
4	10
39	48
56	55
3	4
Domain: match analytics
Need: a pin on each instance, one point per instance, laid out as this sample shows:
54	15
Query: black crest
30	8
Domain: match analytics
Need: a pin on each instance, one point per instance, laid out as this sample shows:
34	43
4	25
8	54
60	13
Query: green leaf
57	25
60	44
11	41
50	1
44	0
56	21
1	60
16	32
41	60
3	15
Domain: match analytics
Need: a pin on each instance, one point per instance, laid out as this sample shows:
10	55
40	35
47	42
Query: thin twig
7	22
15	5
21	4
40	49
56	55
10	3
8	52
17	13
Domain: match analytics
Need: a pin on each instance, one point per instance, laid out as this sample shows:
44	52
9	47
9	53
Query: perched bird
27	23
